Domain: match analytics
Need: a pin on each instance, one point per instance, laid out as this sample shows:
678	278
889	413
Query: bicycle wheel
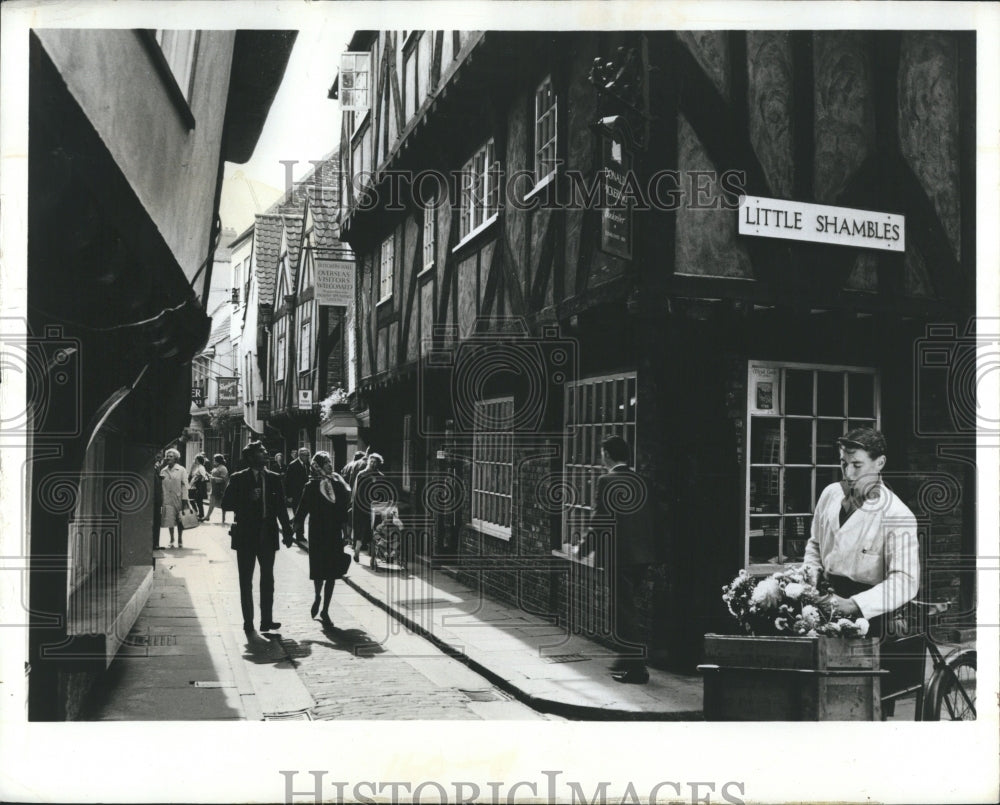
953	689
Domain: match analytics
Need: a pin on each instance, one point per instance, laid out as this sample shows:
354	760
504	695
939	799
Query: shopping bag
189	519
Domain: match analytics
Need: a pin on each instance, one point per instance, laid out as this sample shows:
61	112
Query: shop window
480	191
493	467
546	116
795	413
387	256
593	409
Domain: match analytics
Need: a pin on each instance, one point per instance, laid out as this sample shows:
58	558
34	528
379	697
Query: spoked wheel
952	694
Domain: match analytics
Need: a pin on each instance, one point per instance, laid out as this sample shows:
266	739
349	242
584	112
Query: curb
538	703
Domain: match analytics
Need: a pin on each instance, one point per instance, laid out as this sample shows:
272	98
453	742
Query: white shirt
876	545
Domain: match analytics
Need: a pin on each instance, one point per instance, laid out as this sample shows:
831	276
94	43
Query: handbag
189	519
343	562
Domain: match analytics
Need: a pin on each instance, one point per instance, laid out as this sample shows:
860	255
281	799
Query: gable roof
293	240
220	329
266	250
323	192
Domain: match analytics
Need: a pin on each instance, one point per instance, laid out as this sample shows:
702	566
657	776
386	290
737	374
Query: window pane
827	432
798	490
798	441
795	531
763	539
824	477
861	395
764	440
830	394
798	391
764	490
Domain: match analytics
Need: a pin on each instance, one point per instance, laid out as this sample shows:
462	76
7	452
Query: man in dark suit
296	477
623	509
255	496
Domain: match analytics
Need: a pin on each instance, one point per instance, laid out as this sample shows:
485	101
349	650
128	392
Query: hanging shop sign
227	390
197	394
819	223
334	282
616	217
305	398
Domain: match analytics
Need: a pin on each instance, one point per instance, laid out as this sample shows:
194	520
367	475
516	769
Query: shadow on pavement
353	641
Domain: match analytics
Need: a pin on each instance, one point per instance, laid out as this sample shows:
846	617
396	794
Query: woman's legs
327	595
318	586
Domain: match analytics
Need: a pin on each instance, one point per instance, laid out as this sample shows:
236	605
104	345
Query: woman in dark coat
325	500
367	490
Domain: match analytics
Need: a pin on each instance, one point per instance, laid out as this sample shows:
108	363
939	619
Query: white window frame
386	266
546	132
775	372
355	70
279	350
305	343
480	201
406	482
248	382
411	76
430	239
352	358
492	459
584	431
180	51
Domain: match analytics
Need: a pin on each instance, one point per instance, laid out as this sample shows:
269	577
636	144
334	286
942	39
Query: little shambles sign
818	223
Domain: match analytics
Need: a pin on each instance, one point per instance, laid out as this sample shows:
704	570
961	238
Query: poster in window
764	390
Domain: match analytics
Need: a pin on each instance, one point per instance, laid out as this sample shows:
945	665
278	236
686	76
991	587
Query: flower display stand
791	679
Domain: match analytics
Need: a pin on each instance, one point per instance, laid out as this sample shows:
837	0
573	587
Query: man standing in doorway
254	495
622	507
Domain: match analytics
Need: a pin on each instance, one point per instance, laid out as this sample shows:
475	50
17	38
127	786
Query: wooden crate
791	679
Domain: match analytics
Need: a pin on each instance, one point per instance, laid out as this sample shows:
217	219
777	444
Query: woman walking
198	485
173	480
220	480
325	499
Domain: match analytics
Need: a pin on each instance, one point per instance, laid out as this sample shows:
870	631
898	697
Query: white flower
767	593
810	616
794	590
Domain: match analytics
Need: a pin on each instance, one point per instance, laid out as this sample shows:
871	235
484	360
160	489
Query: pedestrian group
336	506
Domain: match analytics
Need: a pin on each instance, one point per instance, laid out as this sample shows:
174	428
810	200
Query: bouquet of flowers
786	603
